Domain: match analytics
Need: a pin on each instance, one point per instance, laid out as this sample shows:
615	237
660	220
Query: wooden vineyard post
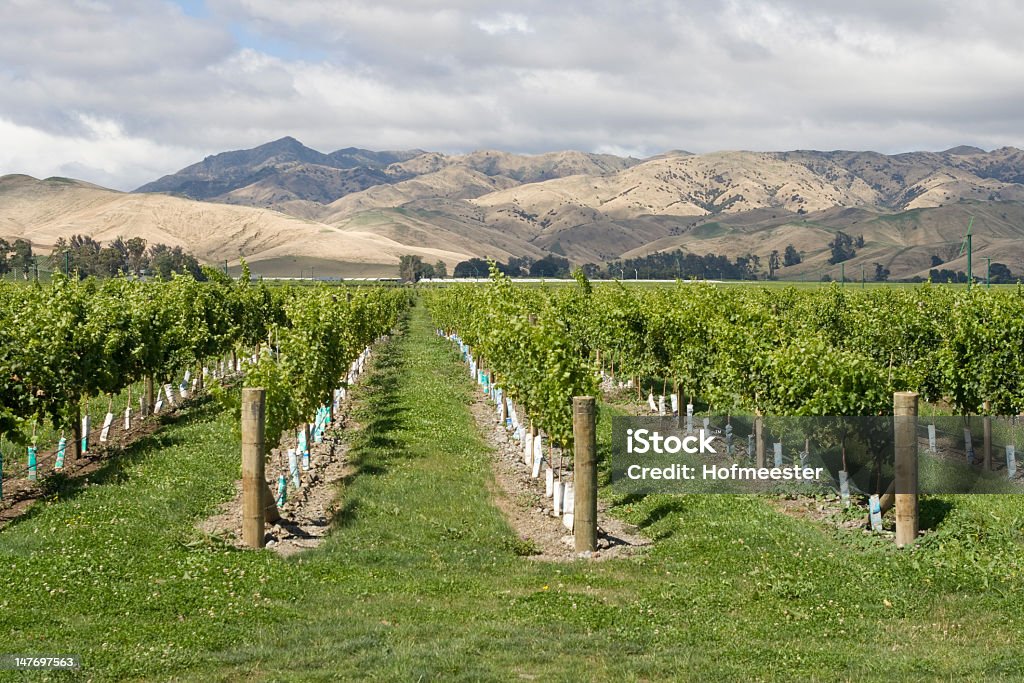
759	438
503	415
904	405
253	475
987	422
585	473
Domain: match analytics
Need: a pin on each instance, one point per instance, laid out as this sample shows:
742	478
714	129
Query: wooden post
987	422
584	473
758	437
253	475
200	384
904	404
504	409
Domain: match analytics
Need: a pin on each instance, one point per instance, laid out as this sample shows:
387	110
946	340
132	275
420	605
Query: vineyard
422	573
75	347
789	352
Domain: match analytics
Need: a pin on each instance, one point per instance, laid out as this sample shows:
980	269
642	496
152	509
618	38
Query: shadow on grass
932	513
383	419
664	508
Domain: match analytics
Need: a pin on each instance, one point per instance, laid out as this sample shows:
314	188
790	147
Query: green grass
708	230
420	578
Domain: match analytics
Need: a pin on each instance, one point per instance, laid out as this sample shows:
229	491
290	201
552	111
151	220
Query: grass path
418	580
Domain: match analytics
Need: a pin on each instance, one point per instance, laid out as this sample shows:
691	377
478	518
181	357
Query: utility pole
67	262
842	273
988	272
862	276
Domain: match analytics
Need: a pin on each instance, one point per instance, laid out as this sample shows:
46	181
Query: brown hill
363	207
44	210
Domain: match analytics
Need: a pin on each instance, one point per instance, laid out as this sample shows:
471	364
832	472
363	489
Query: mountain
679	200
361	206
282	170
288	176
44	210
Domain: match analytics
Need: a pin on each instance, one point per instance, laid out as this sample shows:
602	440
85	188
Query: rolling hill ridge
283	200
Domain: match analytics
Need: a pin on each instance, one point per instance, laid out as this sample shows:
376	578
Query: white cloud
506	22
106	156
122	91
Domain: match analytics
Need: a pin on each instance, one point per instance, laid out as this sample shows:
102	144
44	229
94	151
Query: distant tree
946	275
165	260
57	259
137	261
80	253
750	265
474	267
842	248
410	267
519	265
591	270
426	272
440	269
791	256
774	263
679	264
114	258
859	242
936	261
109	263
999	274
881	273
22	259
550	266
5	257
161	261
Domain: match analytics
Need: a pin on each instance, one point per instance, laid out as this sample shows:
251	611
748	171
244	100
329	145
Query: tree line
658	266
132	257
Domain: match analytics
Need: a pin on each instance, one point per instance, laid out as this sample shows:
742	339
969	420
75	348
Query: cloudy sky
119	92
